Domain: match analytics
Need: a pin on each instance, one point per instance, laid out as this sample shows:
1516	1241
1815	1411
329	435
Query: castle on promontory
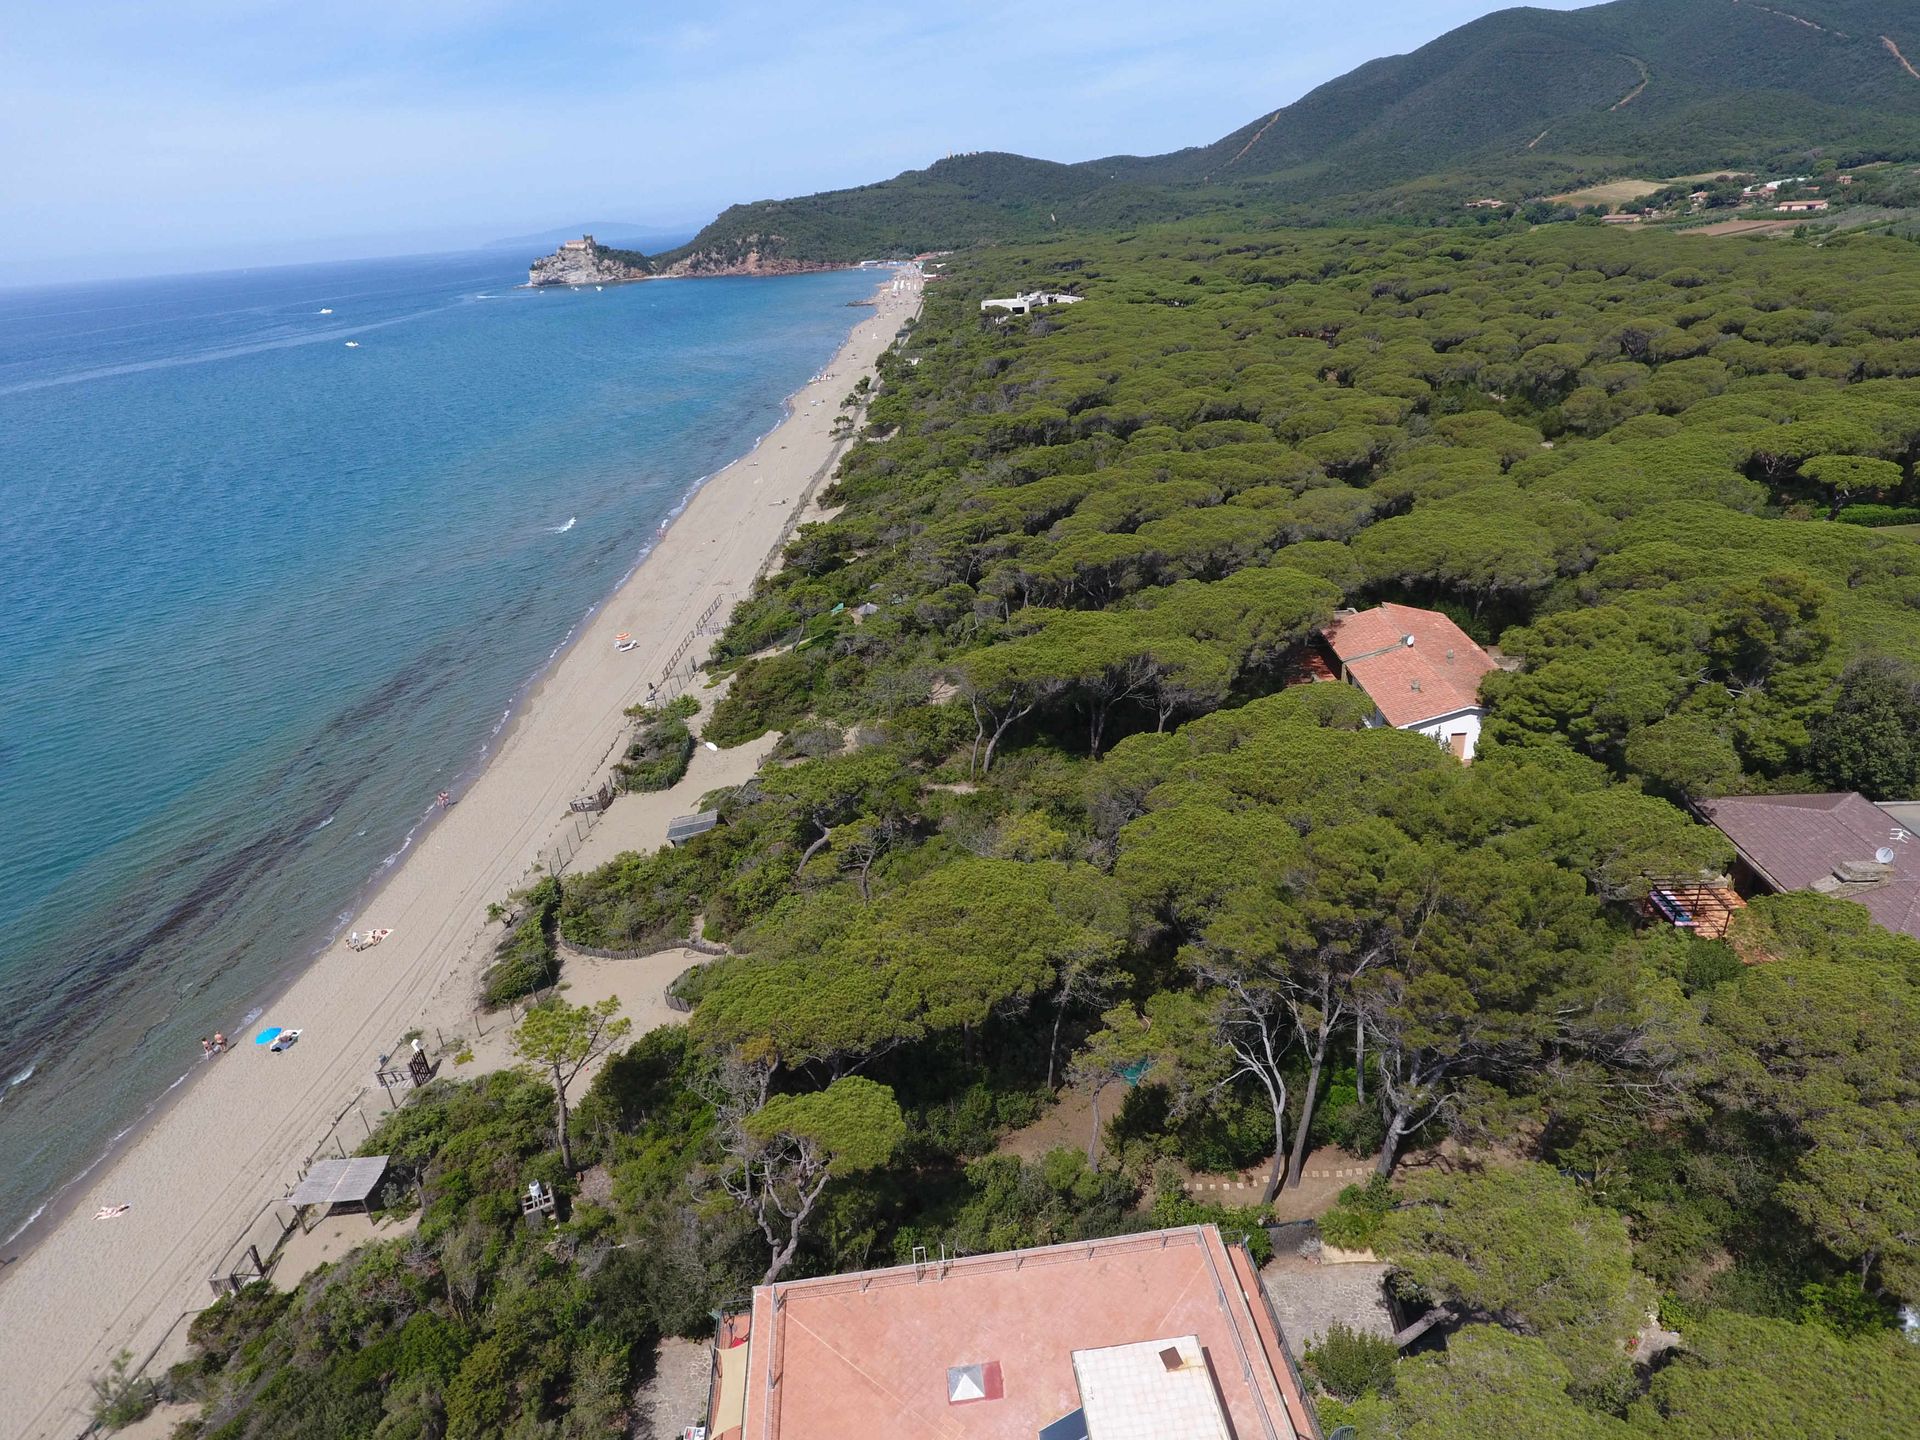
587	262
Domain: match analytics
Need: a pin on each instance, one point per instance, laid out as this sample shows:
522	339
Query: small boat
353	344
598	288
326	312
624	642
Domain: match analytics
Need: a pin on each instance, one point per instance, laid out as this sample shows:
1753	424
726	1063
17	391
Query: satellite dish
1884	855
1407	640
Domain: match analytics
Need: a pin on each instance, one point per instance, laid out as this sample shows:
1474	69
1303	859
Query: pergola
334	1184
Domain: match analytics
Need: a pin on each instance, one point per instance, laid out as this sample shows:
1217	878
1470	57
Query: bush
1877	515
770	694
1350	1363
1345	1120
1710	963
1248	1223
526	960
120	1399
657	758
1355	1219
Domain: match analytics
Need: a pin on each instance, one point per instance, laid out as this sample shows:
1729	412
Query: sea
280	552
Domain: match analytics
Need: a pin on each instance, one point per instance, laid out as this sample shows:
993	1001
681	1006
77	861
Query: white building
1421	671
1032	300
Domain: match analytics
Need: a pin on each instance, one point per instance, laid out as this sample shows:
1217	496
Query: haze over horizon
221	132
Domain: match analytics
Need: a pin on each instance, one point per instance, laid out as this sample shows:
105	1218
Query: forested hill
1530	97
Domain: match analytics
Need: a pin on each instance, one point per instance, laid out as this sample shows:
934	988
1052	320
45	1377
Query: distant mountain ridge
1535	98
609	232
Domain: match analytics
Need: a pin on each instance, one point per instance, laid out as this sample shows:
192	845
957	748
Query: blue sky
176	134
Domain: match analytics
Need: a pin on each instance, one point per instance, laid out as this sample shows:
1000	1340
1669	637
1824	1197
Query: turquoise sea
263	594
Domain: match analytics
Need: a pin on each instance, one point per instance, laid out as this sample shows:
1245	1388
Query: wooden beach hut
333	1185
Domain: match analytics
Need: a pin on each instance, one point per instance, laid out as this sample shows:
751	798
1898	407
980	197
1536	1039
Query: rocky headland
587	262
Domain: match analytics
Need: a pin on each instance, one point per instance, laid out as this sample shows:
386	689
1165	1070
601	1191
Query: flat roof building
1160	1336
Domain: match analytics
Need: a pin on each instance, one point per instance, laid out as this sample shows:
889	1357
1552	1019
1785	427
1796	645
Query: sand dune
228	1148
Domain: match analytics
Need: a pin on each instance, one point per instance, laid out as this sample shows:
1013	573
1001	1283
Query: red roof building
1421	671
1137	1337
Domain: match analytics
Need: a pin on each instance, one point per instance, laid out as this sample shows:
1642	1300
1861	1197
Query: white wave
324	823
20	1229
562	529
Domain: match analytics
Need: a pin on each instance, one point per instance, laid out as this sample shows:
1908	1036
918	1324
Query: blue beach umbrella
267	1036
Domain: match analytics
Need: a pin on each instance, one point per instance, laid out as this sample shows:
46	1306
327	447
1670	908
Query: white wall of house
1458	733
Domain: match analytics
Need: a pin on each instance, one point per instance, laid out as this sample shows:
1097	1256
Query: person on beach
206	1046
219	1042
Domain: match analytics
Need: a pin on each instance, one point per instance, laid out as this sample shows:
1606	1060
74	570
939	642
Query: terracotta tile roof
875	1354
1799	842
1439	674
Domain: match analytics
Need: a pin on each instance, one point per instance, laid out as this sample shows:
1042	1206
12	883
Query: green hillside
1529	100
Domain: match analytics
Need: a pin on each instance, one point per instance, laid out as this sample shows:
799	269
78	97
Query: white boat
353	344
326	312
598	288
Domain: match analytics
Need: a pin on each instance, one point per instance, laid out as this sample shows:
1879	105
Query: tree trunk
1093	1140
1426	1322
1299	1160
1360	1059
1053	1045
1276	1172
560	1107
1277	1097
783	1254
1390	1147
813	849
1005	725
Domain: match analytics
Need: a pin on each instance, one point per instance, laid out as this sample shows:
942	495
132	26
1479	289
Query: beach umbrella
267	1036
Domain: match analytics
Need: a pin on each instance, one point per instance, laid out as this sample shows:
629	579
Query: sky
142	137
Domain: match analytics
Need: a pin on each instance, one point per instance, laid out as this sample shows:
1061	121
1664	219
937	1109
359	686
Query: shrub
1355	1219
120	1399
526	960
1247	1223
1877	515
770	694
1350	1363
1345	1120
657	758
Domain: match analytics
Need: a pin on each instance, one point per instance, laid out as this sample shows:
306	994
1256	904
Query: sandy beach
202	1175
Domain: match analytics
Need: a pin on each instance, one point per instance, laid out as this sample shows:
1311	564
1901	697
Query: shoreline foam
54	1207
206	1160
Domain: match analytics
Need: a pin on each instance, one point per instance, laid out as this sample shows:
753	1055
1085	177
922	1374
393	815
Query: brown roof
1829	843
1438	674
870	1354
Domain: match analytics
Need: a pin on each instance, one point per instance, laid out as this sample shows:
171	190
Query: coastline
207	1159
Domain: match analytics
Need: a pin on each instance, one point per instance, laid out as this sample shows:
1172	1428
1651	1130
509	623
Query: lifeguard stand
537	1201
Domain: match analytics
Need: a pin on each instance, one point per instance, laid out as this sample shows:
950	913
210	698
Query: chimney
1415	684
